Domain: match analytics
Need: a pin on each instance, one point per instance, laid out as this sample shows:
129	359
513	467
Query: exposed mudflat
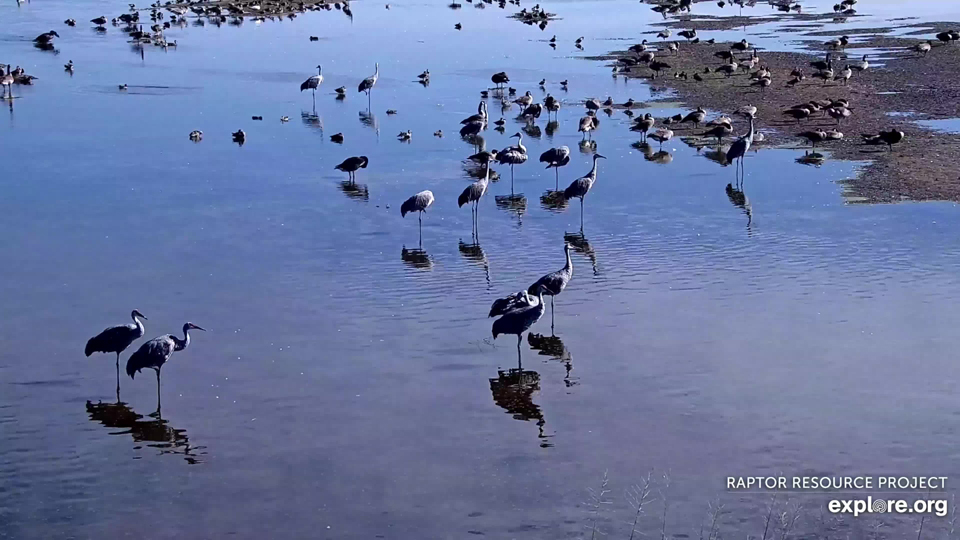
900	86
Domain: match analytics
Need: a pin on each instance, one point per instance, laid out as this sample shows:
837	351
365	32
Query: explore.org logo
883	506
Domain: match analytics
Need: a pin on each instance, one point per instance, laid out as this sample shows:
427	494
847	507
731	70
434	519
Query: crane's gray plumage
519	320
352	164
418	203
581	186
556	158
475	191
367	84
740	147
156	352
517	300
313	82
513	155
555	282
117	338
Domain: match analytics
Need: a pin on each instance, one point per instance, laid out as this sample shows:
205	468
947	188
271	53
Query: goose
481	115
728	69
815	136
533	111
741	46
833	135
674	48
821	65
341	92
689	34
405	135
438	133
99	21
826	75
551	104
500	79
553	39
593	104
697	77
524	100
239	136
795	80
542	83
748	110
664	34
7	80
284	119
720	131
844	75
696	117
484	157
458	26
798	114
588	124
797	72
762	83
70	22
46	37
888	138
68	66
351	165
838	113
839	103
862	66
425	75
643	125
657	66
579	40
840	43
723	55
337	138
638	48
563	84
629	103
945	37
646	57
722	120
662	135
122	86
608	102
196	135
923	48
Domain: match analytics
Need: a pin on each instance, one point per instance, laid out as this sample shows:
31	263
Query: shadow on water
417	258
588	147
153	433
311	120
474	253
661	157
513	391
368	119
813	159
582	246
355	191
554	347
514	203
551	129
740	200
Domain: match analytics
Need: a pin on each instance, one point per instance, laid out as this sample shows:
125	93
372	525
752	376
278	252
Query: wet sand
921	167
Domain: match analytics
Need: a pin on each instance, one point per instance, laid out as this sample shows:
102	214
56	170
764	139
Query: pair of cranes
365	85
153	354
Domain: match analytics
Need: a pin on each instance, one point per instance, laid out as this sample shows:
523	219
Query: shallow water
348	385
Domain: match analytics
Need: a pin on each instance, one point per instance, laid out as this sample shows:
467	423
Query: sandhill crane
517	300
888	138
116	339
352	164
513	155
500	79
555	282
313	82
473	193
367	84
556	158
662	135
740	147
156	352
696	117
587	125
417	203
519	320
581	186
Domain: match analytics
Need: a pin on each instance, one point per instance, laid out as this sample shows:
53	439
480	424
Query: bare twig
637	496
597	498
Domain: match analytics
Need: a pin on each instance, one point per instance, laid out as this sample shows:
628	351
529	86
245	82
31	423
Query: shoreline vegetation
900	87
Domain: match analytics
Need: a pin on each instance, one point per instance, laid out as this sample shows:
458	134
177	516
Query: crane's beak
195	327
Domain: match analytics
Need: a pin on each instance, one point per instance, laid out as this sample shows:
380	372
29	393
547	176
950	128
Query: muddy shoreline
900	88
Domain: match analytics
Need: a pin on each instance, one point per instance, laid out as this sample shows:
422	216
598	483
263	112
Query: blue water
348	386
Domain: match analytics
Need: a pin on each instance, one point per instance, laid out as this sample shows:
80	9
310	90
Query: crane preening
156	352
518	318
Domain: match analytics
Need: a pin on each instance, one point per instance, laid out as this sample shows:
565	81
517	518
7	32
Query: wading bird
513	155
352	164
507	304
740	147
472	194
116	339
581	186
367	84
519	320
500	79
417	203
556	158
587	125
156	352
555	282
313	82
7	80
662	135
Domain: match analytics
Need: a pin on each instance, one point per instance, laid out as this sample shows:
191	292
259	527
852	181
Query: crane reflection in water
474	253
741	201
554	347
417	258
582	246
513	391
154	432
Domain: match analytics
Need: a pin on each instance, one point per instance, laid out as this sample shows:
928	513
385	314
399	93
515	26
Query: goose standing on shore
581	186
554	283
313	82
367	84
696	117
862	65
888	138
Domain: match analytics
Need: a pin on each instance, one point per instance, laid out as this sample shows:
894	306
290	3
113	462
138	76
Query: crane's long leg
519	359
581	214
118	377
511	179
420	218
551	315
557	170
158	392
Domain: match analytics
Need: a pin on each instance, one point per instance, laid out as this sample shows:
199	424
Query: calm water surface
348	386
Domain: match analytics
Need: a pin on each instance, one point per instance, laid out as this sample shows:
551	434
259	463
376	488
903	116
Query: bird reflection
551	128
154	433
553	201
532	130
662	157
474	253
588	147
311	120
478	142
369	120
417	258
553	347
815	159
354	190
582	245
513	392
477	171
718	155
644	148
740	200
512	203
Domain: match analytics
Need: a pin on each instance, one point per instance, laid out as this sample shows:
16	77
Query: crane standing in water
116	339
519	320
155	353
581	186
556	158
555	282
367	84
313	82
472	194
417	203
739	149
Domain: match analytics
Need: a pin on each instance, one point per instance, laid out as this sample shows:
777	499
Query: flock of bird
519	311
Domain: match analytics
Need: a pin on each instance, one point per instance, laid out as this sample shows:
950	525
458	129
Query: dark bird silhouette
556	158
352	164
116	339
888	138
156	352
500	79
555	282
